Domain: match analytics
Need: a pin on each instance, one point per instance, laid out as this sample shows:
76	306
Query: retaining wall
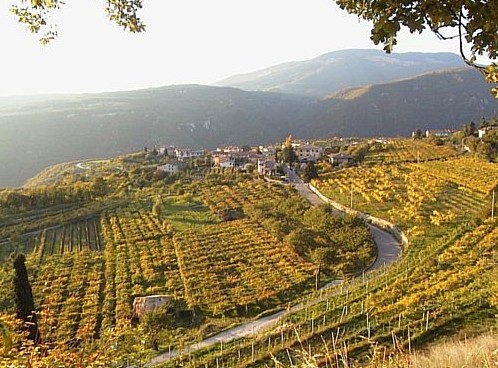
383	224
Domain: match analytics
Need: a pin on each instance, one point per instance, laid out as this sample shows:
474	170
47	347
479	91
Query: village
266	160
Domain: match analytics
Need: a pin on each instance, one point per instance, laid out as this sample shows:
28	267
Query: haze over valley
343	93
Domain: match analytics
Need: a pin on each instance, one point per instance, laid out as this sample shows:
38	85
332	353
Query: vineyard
415	196
429	294
408	150
227	248
235	197
86	273
237	264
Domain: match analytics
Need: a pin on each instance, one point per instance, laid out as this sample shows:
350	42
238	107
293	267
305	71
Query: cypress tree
23	298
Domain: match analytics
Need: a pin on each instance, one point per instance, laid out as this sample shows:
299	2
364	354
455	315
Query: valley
232	247
374	95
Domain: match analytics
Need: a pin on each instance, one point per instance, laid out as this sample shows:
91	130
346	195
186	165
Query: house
340	158
267	167
267	150
308	152
170	151
144	304
186	153
229	149
482	131
230	161
439	133
172	167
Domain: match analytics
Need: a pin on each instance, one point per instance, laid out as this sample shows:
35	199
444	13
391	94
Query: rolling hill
337	70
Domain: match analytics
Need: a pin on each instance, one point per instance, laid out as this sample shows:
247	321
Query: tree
99	187
310	171
23	298
36	15
288	155
484	150
157	209
250	168
301	240
418	134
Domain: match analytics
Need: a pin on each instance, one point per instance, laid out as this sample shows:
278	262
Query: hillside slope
41	132
341	69
38	132
445	99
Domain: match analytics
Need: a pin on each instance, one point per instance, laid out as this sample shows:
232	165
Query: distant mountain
38	132
438	100
341	69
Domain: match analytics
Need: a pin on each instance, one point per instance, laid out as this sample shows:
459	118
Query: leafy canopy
36	15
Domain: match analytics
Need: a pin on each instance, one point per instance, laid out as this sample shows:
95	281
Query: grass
477	352
186	215
480	351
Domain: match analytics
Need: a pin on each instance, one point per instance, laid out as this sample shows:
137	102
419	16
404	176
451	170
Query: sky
186	41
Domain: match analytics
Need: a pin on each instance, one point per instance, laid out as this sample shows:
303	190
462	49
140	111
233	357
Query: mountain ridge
44	131
336	70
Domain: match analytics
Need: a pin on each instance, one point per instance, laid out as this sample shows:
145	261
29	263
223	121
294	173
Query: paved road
388	251
388	248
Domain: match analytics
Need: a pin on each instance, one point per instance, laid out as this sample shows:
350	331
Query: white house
308	152
185	153
229	149
440	133
482	131
236	161
267	167
340	158
172	167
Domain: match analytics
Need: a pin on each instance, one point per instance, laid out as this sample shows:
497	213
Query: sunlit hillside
237	256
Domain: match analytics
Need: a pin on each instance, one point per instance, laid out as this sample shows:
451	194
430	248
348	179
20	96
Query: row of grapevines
404	150
409	303
235	264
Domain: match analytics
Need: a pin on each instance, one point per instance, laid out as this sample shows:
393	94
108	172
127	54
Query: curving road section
388	250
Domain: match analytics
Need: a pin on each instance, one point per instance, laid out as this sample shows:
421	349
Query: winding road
388	250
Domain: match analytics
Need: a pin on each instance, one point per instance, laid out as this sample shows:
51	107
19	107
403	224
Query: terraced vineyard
236	265
87	273
445	283
224	249
84	292
235	197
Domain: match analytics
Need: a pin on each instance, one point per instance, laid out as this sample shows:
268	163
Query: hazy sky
187	41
